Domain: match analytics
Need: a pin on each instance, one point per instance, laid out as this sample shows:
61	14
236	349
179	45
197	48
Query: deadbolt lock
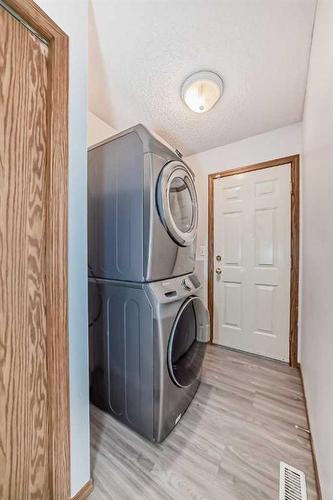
218	258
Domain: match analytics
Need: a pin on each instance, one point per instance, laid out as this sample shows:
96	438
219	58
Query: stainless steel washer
147	346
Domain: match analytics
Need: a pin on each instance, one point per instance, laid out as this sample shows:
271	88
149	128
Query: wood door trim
56	245
293	161
85	491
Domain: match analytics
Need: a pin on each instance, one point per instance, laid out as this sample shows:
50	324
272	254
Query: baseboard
85	491
320	497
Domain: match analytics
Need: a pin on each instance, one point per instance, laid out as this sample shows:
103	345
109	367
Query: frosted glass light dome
201	91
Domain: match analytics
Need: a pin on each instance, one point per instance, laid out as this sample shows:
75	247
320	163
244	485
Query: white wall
72	17
317	303
275	144
98	130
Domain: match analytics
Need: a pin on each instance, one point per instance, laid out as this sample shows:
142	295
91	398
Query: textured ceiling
140	51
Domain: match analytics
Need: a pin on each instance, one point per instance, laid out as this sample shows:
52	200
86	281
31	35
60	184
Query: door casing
58	445
294	251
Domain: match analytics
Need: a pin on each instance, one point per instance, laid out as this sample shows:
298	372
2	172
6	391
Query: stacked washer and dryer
148	327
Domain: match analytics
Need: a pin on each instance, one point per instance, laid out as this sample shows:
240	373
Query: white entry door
252	261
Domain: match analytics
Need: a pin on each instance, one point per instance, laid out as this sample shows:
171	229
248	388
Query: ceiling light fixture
201	91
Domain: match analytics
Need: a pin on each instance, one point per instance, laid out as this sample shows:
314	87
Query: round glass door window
181	204
188	341
177	203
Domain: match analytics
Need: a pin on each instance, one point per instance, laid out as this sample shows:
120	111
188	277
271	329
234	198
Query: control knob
186	285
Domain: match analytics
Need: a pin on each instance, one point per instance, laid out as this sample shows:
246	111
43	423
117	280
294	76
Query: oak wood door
252	217
24	462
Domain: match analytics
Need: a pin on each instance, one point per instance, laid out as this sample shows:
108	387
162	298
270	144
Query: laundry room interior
166	303
208	376
202	138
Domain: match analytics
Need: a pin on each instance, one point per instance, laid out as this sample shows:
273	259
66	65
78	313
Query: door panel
265	304
233	245
264	236
23	363
252	236
233	305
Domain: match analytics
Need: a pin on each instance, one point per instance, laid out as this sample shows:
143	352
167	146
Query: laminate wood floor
228	445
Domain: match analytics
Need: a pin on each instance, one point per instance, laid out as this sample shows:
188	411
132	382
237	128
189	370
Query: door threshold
260	356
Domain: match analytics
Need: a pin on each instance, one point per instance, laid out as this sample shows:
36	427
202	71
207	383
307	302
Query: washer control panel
186	284
175	288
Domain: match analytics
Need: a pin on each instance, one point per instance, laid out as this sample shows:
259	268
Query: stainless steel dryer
147	345
142	209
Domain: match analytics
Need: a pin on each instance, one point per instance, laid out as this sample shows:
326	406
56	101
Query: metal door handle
218	271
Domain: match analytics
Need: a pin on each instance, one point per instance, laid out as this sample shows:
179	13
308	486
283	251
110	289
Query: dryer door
188	341
177	202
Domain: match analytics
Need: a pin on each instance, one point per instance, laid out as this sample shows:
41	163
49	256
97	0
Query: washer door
177	202
188	341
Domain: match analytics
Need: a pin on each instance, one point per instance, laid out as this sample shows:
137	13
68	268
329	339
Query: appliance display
142	209
147	346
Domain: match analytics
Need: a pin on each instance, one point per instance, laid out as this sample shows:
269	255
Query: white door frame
294	263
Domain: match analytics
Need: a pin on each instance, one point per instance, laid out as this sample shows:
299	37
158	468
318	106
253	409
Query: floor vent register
292	483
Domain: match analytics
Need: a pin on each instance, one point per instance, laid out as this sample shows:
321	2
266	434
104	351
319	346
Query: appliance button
185	284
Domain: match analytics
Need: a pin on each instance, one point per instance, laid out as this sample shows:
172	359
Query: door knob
218	271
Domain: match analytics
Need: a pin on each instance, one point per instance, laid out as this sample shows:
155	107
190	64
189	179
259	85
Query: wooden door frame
58	445
293	161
